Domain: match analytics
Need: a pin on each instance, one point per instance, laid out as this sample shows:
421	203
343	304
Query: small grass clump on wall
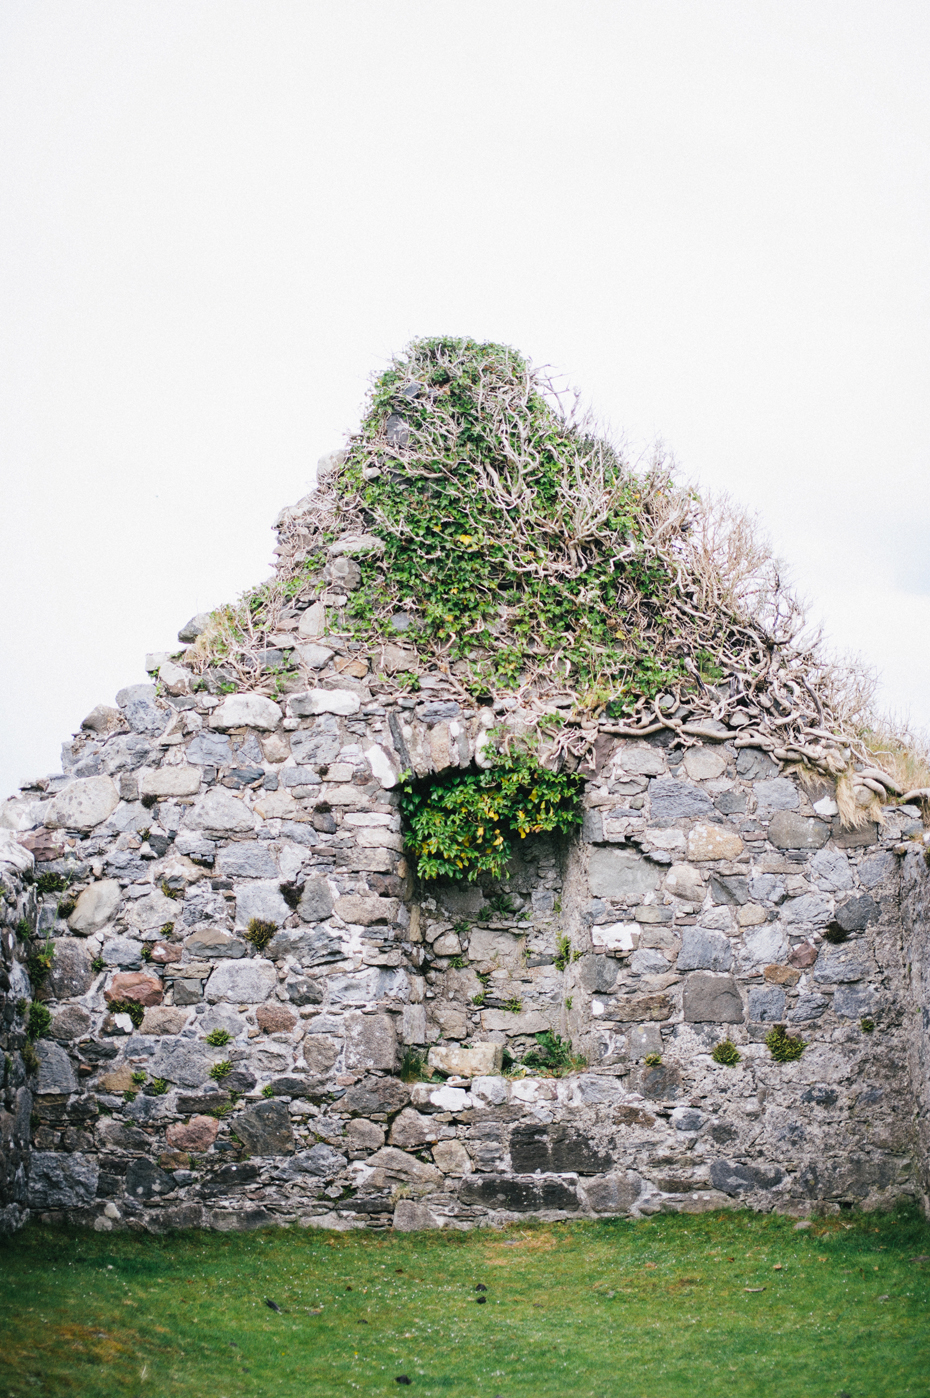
721	1305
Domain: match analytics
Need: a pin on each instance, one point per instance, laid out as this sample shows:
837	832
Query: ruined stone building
231	998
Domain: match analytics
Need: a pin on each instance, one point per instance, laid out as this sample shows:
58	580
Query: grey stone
779	794
320	1053
763	945
261	899
612	1194
70	1023
102	719
675	800
766	1004
246	982
61	1181
556	1148
396	431
876	867
220	811
55	1071
687	1119
246	711
95	906
854	1001
835	965
210	750
854	839
435	711
303	990
316	901
82	804
246	859
808	1007
364	1135
851	1177
312	946
265	1129
729	888
684	881
318	746
830	870
767	888
501	1192
856	914
621	873
810	909
641	761
141	712
324	701
373	1096
123	952
733	1177
322	1160
403	1166
790	831
144	1180
704	950
659	1081
410	1130
643	1039
370	1042
195	627
411	1217
71	972
756	765
731	803
210	942
648	962
182	1061
712	999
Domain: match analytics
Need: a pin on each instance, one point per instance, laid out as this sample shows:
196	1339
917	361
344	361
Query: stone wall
17	906
699	903
915	922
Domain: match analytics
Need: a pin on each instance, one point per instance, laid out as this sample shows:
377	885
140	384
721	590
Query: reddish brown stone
802	955
197	1134
135	985
781	975
163	954
275	1019
174	1160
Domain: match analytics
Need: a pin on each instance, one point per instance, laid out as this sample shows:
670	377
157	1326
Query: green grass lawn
731	1304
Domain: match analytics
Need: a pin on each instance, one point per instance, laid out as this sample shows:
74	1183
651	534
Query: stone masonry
708	896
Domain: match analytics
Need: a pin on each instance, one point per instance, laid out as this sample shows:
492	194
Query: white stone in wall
260	899
152	911
709	842
175	679
242	982
21	813
615	936
324	701
171	781
481	1060
381	766
82	804
620	873
279	805
246	711
219	810
705	764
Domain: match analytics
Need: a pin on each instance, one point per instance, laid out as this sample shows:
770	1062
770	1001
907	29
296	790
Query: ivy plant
465	825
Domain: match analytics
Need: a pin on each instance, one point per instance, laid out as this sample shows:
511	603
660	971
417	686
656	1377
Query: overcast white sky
219	217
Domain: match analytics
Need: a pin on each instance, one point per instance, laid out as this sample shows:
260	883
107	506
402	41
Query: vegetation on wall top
518	552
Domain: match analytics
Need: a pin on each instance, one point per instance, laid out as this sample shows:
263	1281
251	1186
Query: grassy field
726	1304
